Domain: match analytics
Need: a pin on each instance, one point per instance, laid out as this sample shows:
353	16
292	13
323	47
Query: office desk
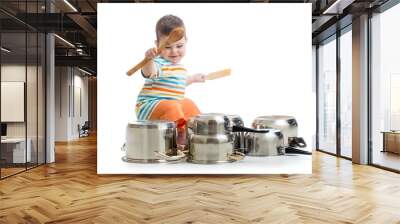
13	150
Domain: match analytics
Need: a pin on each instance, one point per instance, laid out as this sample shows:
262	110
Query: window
327	96
385	88
346	93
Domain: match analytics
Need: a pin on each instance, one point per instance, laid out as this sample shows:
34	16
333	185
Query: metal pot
150	142
262	142
212	149
214	124
210	138
286	124
209	124
265	144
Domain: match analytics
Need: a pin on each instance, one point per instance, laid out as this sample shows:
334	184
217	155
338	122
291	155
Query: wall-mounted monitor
12	101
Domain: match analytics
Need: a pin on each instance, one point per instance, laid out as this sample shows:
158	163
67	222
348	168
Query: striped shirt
170	84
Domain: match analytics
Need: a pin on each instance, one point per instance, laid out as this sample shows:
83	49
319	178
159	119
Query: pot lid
217	117
235	119
275	117
152	124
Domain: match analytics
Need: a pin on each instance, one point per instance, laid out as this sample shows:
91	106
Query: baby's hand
199	77
195	78
151	53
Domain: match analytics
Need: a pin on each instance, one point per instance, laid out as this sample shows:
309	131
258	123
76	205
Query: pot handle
297	141
236	156
178	157
292	150
244	129
123	147
292	122
281	150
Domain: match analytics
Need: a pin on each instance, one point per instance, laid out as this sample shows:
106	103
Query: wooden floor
70	191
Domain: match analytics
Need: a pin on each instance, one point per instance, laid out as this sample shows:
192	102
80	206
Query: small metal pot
262	142
265	144
286	124
149	141
209	124
214	124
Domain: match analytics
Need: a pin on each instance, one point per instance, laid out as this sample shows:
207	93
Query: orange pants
178	111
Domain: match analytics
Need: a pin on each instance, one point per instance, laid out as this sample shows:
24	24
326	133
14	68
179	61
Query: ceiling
76	22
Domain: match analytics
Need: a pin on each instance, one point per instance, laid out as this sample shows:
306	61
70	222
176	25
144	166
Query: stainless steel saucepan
262	142
211	140
214	138
286	124
151	142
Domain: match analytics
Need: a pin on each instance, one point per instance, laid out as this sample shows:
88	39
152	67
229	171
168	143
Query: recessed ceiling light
84	71
70	5
337	7
65	41
5	50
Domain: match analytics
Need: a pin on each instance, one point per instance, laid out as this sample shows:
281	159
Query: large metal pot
212	149
286	124
148	141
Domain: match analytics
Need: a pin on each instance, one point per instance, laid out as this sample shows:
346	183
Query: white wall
62	80
79	117
70	83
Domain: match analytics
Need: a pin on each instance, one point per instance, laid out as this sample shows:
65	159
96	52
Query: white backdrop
267	46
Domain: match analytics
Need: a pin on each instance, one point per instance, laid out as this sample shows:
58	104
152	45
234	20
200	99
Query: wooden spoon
218	74
175	35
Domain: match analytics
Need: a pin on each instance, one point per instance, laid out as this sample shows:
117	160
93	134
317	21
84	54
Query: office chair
84	130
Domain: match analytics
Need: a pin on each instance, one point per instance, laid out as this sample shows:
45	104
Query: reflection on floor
386	159
10	169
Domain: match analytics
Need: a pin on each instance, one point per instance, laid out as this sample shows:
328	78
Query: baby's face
174	52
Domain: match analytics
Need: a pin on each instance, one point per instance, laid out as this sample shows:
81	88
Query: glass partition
22	77
13	108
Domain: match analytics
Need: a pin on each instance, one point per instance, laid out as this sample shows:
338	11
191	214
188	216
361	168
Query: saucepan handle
297	142
123	147
244	129
292	150
281	150
236	156
168	158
